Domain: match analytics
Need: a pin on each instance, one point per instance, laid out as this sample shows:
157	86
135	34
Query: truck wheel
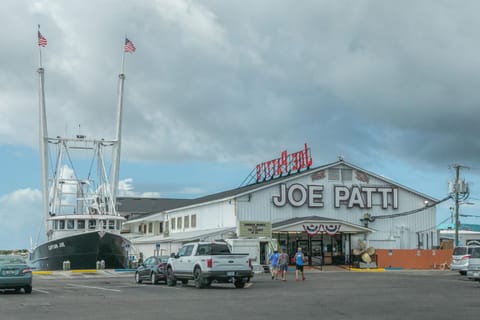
197	277
171	281
239	284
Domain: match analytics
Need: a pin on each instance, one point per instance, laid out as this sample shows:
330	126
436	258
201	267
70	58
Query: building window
70	224
179	222
172	224
161	227
186	221
333	174
81	224
140	228
347	174
150	227
92	224
193	220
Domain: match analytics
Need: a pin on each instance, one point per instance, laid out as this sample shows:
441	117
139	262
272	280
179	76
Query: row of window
176	223
80	224
188	222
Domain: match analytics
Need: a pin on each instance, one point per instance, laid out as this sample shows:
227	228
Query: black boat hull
82	250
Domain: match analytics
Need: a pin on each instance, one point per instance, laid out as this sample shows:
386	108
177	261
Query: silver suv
461	258
473	271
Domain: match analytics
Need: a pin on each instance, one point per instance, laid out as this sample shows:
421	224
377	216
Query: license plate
230	273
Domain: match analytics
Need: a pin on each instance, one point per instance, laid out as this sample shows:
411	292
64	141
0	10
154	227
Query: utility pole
459	188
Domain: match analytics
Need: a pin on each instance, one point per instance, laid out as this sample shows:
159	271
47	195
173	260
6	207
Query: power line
402	214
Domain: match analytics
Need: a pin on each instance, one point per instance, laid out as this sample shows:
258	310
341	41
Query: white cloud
126	189
22	219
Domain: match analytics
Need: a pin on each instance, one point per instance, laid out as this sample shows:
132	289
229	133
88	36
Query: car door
145	272
184	260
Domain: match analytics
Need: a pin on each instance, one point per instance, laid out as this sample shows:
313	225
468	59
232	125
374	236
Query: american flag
129	46
42	41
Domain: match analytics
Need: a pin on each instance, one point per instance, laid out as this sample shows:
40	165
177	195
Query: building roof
197	235
148	205
152	205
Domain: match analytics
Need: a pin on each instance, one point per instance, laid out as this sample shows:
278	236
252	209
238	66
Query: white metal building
325	210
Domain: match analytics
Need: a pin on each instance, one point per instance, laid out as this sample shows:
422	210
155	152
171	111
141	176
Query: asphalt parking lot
323	295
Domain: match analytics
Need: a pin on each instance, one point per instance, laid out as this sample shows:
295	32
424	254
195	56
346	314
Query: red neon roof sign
287	163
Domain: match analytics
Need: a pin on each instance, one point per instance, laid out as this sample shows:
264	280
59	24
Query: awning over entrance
314	225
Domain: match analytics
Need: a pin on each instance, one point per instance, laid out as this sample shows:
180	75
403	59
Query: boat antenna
42	42
128	47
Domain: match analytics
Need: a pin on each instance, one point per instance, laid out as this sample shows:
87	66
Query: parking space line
40	290
90	287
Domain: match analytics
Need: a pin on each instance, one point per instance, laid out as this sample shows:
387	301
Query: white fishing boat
82	225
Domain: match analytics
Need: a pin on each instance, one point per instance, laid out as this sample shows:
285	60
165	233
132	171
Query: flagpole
123	58
39	51
123	64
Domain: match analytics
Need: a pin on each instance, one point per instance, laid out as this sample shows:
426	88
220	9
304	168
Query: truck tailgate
230	262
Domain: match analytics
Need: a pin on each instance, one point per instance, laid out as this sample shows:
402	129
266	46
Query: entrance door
316	253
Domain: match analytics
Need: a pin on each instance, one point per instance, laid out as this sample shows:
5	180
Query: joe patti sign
283	165
362	197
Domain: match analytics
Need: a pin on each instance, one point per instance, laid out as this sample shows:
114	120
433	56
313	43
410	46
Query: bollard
102	264
97	265
66	265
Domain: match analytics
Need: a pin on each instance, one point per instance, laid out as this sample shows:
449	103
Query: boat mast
118	135
43	142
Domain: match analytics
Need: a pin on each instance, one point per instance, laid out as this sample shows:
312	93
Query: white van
461	258
473	271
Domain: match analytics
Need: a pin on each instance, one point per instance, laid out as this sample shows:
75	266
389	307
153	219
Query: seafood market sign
298	195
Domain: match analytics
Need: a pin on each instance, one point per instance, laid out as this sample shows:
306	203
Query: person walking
283	264
274	264
299	259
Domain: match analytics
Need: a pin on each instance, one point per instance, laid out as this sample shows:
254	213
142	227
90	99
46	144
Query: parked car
473	271
153	269
461	258
15	273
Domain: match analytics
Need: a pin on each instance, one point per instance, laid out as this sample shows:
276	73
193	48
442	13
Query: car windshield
458	251
12	259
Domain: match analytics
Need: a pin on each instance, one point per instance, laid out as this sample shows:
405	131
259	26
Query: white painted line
89	287
40	290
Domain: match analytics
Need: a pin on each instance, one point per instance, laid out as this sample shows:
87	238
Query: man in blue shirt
274	264
299	259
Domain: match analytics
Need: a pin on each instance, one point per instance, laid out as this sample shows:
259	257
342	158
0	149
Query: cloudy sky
216	87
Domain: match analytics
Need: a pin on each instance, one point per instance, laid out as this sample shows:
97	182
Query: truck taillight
209	263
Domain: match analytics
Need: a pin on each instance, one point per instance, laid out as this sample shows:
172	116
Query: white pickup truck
206	262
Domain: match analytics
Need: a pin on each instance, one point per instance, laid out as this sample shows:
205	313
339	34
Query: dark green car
15	273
